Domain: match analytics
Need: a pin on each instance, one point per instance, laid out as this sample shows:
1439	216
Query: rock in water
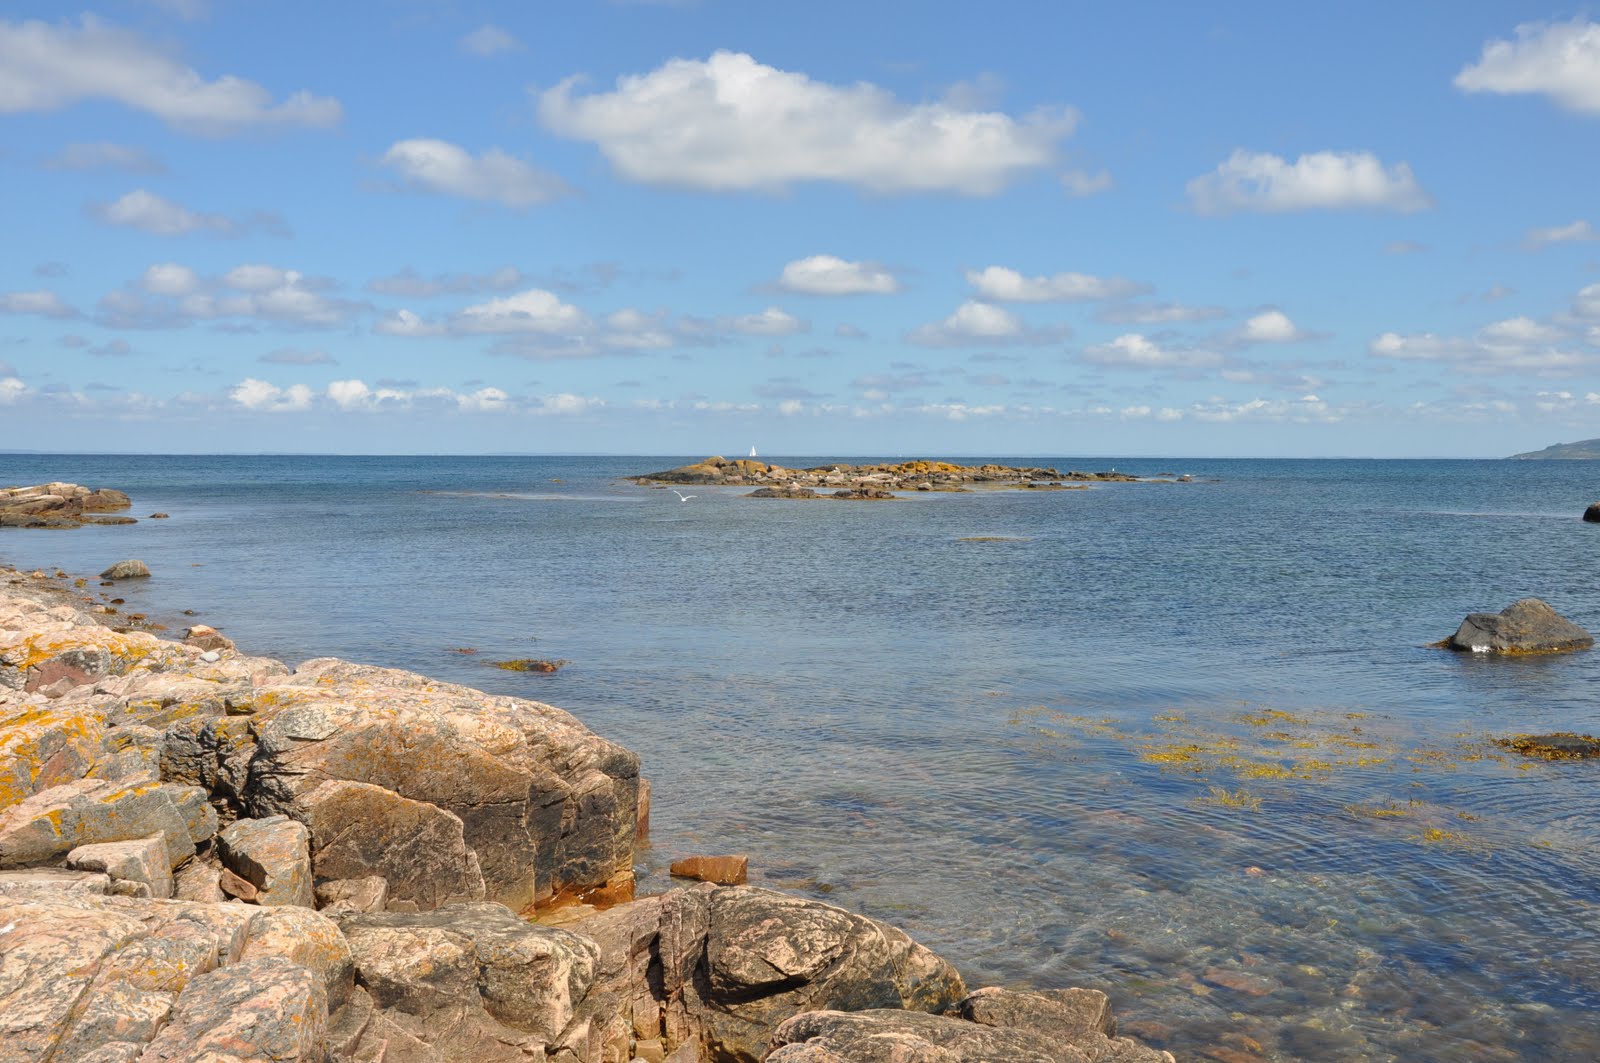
1592	514
126	570
1525	626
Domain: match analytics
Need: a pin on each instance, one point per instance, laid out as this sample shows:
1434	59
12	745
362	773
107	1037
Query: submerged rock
1562	745
723	870
1525	626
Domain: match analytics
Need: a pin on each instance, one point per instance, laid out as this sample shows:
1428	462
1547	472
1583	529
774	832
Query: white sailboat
752	450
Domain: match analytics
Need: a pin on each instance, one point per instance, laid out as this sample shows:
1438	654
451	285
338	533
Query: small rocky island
60	505
208	857
874	481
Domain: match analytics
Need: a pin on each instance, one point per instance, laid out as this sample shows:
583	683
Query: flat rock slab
1526	626
723	870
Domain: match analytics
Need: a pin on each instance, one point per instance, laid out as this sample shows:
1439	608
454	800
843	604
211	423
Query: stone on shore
130	569
723	870
273	855
1526	626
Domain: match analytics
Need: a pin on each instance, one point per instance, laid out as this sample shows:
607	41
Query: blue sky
1256	229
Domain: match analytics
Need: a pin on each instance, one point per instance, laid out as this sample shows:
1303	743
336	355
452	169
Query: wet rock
143	861
273	855
723	870
1562	745
888	1036
786	491
1526	626
1071	1016
130	569
158	516
1592	514
207	637
863	494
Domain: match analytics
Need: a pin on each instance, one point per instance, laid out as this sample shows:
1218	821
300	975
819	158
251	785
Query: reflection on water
1185	743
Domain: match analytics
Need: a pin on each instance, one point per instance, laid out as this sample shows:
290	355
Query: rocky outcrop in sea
866	481
60	505
208	857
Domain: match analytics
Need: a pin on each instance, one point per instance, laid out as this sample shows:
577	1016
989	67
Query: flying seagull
681	496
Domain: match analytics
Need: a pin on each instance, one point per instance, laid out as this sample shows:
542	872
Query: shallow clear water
1058	761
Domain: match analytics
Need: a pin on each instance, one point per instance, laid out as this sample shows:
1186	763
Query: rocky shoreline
62	505
208	856
865	482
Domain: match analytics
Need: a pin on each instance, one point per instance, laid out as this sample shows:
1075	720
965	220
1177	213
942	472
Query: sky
889	228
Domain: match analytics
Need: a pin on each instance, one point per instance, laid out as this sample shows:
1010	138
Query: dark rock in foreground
59	505
1526	626
1592	514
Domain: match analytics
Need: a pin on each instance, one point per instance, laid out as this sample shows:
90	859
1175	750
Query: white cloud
1004	285
255	394
1133	350
494	177
1560	60
828	275
1587	302
1157	313
1517	345
730	123
1080	184
406	323
172	296
103	155
46	67
489	40
568	404
1324	180
1307	409
11	389
769	322
169	278
972	323
150	213
1270	326
1576	232
534	310
42	303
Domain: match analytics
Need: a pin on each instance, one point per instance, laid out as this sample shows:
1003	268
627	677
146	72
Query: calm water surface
1185	743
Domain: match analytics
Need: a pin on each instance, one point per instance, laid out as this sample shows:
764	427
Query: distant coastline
1582	450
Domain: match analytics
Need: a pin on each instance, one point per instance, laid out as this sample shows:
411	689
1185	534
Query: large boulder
129	569
50	824
1592	514
546	806
1525	626
273	855
721	967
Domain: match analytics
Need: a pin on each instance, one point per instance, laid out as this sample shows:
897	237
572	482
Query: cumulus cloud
11	389
494	177
1324	180
772	321
261	396
731	123
1560	60
1587	302
1156	313
828	275
1576	232
40	302
45	67
489	40
407	323
103	155
1270	326
1518	345
534	310
170	295
972	323
999	284
1133	350
1307	409
148	212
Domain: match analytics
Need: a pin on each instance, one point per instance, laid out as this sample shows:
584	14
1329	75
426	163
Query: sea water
1186	743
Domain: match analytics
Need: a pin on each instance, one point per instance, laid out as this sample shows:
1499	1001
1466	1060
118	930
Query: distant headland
1582	450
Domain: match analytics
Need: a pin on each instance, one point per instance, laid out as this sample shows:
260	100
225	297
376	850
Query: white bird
681	496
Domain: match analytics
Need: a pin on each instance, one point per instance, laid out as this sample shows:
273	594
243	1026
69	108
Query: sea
1187	743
